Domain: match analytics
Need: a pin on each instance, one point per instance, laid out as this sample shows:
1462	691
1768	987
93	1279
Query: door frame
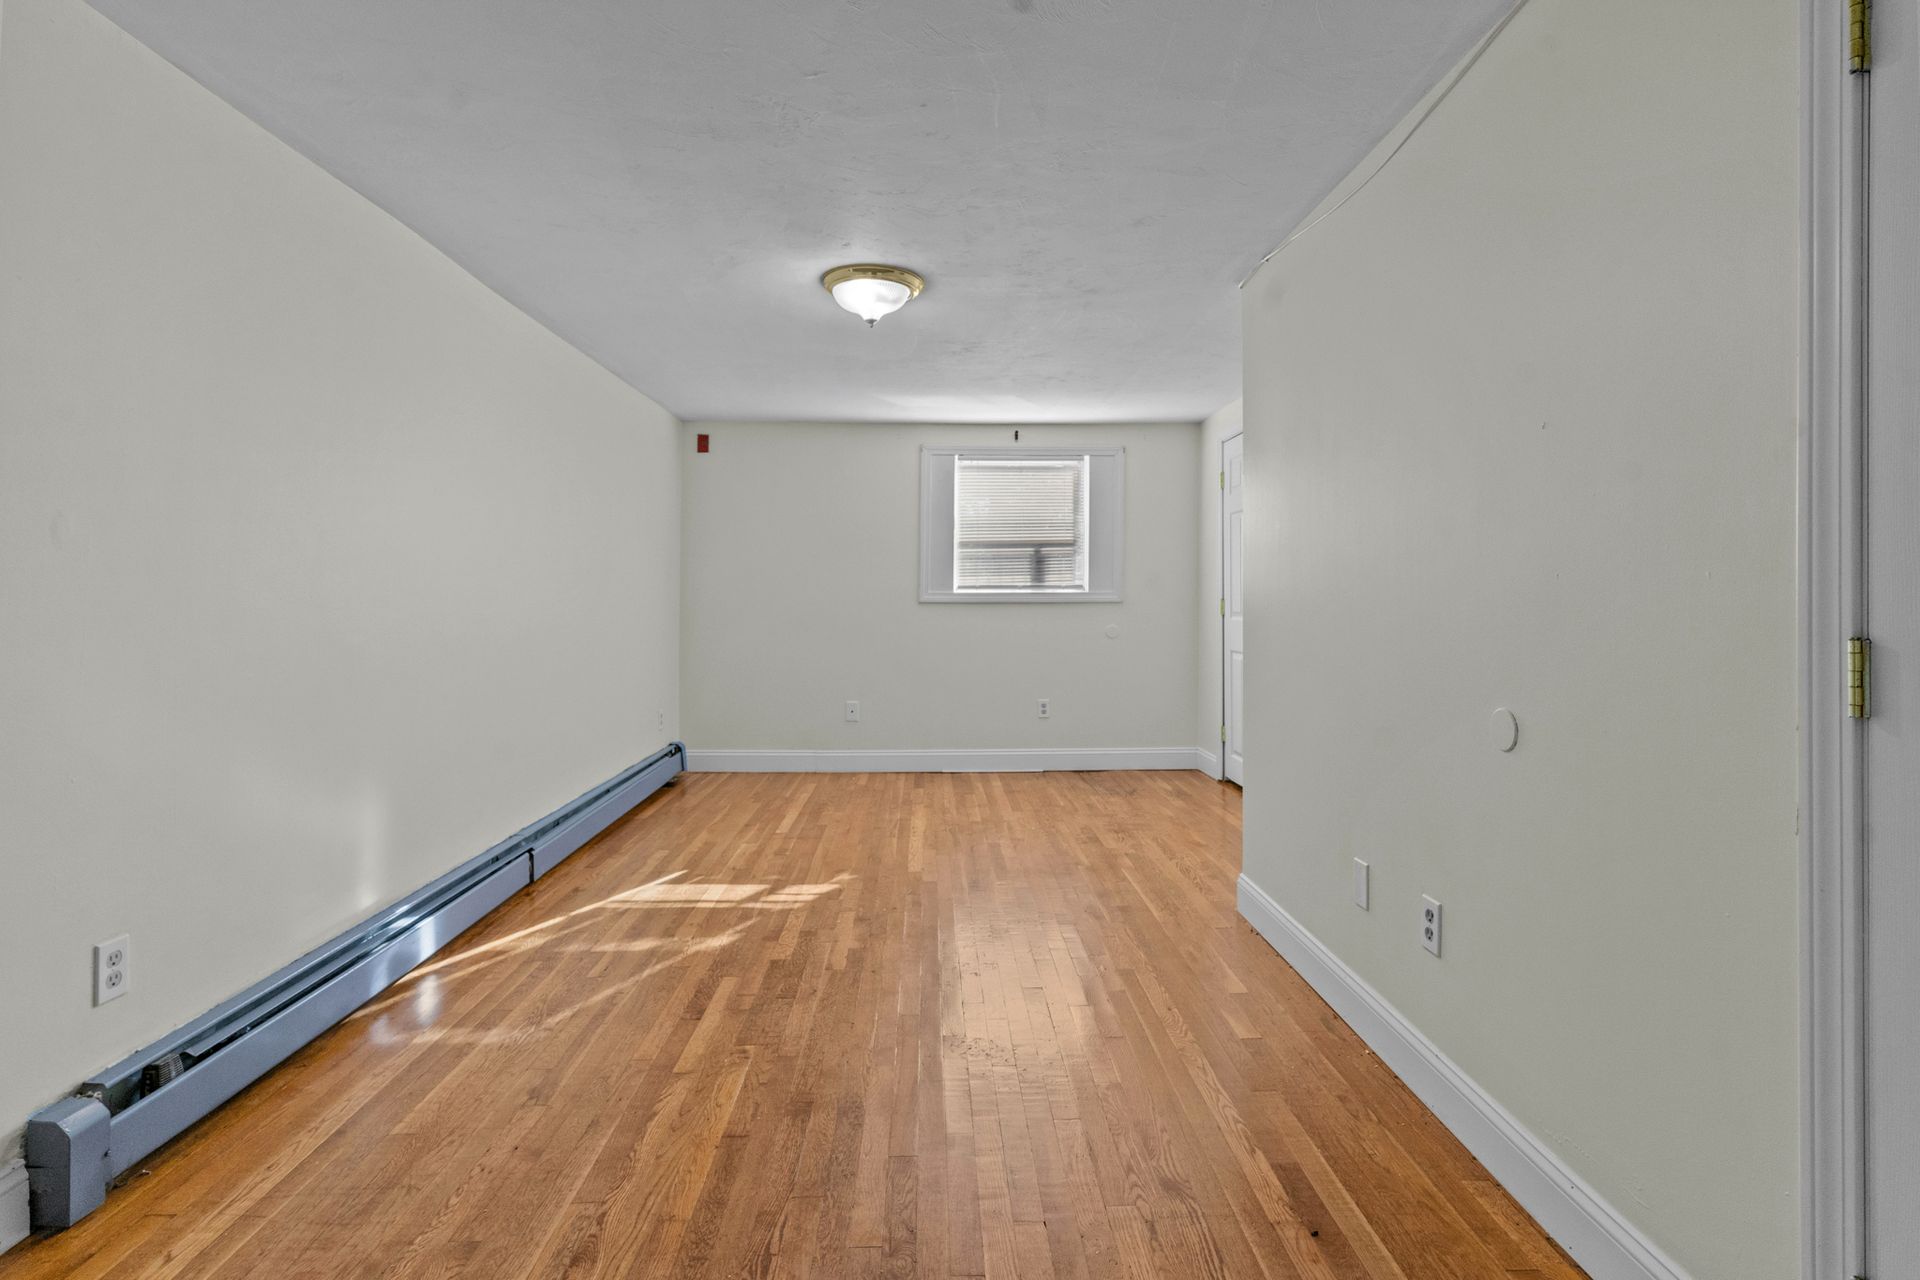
1831	609
1220	547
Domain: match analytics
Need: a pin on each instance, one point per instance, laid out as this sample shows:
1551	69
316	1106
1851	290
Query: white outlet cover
853	713
1360	870
1430	924
112	968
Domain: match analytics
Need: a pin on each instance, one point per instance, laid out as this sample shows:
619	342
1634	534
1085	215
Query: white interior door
1891	734
1233	591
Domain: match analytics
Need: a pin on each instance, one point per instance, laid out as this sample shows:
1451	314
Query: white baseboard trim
1207	762
1573	1213
1009	760
13	1204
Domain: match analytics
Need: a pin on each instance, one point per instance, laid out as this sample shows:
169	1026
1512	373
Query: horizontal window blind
1020	524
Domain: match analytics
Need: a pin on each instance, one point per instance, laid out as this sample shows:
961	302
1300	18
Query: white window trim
1106	536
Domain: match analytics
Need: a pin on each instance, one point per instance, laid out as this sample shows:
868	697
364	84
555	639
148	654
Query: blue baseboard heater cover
77	1146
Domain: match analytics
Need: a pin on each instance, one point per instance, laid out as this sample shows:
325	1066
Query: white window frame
1106	523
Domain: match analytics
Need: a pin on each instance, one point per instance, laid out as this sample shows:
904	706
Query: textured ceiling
1082	182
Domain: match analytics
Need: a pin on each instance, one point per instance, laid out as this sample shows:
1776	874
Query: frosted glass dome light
871	290
871	299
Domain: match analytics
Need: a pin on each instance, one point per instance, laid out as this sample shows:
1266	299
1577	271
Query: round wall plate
1504	729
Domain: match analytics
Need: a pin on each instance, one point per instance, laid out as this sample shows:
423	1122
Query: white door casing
1233	584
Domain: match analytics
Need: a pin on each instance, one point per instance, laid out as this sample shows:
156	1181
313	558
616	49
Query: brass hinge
1223	479
1859	35
1223	606
1859	661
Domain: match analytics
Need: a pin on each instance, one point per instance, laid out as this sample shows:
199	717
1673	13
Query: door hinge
1859	35
1223	733
1859	664
1223	606
1223	479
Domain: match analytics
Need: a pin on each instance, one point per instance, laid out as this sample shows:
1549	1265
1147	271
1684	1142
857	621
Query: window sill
1019	597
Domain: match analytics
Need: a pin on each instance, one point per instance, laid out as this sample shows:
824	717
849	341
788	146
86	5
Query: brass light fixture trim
914	281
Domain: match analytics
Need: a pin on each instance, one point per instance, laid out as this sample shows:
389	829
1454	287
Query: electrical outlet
1360	870
662	726
1430	924
112	965
853	713
1046	708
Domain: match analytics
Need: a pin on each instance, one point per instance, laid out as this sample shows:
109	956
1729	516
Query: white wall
801	592
1520	427
323	567
1209	701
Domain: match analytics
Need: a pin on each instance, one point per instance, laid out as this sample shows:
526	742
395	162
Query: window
1007	525
1020	524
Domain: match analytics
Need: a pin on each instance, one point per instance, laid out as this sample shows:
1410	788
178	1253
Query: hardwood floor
886	1025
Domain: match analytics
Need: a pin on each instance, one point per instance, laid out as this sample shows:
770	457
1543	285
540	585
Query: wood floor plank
849	1026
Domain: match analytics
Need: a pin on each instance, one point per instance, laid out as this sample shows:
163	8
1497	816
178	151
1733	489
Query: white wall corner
1207	762
13	1204
1010	760
1597	1236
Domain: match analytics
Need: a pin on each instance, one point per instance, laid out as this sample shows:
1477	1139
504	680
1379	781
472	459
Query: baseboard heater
79	1145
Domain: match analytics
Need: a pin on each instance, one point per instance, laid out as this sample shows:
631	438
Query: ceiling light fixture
872	289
